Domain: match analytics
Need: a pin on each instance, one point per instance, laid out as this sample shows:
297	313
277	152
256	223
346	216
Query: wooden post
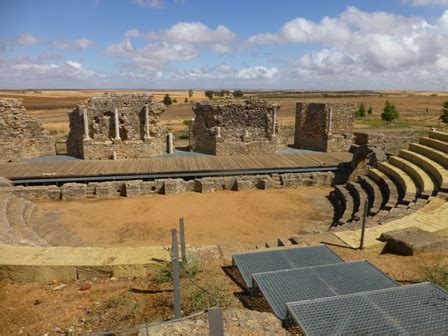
215	322
176	275
183	249
363	227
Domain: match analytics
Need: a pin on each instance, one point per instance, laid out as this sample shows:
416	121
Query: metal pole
215	323
183	248
176	274
363	227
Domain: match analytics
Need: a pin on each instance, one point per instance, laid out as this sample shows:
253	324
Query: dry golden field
417	110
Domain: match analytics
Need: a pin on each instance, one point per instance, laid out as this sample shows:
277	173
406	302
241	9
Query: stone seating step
7	234
434	143
28	212
434	169
439	135
374	194
433	154
348	201
390	189
283	241
359	196
338	207
407	184
25	234
425	183
272	243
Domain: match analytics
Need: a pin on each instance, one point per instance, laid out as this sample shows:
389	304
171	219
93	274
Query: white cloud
132	33
75	45
158	4
27	39
258	72
122	48
421	3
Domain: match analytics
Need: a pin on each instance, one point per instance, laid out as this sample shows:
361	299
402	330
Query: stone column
218	131
117	125
86	124
330	117
170	144
274	122
114	155
147	133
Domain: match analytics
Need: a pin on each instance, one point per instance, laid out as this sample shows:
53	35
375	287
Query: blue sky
300	45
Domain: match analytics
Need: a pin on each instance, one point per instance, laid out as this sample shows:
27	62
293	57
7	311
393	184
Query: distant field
417	109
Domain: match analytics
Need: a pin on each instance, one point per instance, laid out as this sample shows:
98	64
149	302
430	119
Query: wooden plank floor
51	169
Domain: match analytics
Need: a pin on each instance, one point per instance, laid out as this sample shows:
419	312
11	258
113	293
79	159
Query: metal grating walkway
420	309
266	261
281	287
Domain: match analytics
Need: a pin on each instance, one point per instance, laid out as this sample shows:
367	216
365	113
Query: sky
232	44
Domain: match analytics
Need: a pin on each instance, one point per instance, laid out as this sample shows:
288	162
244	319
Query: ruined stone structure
324	127
21	136
236	128
118	126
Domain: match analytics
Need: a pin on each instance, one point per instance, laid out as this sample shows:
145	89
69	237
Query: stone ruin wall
234	128
324	127
133	140
22	136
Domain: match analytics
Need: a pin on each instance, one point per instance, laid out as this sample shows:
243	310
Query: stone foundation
21	136
136	188
234	128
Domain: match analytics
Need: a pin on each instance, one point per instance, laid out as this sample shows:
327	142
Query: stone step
425	183
433	154
407	184
375	196
434	169
434	143
391	192
28	211
348	203
283	241
360	196
439	135
7	234
15	218
272	243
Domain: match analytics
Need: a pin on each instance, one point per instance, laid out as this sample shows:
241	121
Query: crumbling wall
234	128
21	136
138	133
324	127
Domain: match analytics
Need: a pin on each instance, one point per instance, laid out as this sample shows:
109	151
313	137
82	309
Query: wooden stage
170	164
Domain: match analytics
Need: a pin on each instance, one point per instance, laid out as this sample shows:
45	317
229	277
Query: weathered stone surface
324	127
412	240
234	128
243	184
101	142
131	189
105	190
205	185
21	136
73	191
4	183
265	183
173	186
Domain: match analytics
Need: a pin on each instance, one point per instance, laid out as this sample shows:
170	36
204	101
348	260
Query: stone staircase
397	187
21	223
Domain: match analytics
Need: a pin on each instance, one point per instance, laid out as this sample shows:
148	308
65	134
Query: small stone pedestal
204	186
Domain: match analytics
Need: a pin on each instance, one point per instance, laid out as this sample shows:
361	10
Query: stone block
131	189
242	184
205	185
265	183
149	187
412	240
105	190
73	191
54	193
173	186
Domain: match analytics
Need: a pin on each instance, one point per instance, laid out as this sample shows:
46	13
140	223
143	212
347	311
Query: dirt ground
251	216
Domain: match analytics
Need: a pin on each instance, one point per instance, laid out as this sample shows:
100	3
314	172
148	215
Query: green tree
444	116
174	101
167	100
190	93
361	112
186	100
390	112
238	93
209	94
370	110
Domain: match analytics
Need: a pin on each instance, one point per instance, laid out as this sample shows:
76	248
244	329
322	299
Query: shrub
167	100
390	112
370	110
238	93
209	94
437	274
361	111
444	116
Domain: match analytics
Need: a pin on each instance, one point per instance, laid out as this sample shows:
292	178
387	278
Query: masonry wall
22	136
101	143
235	128
315	131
